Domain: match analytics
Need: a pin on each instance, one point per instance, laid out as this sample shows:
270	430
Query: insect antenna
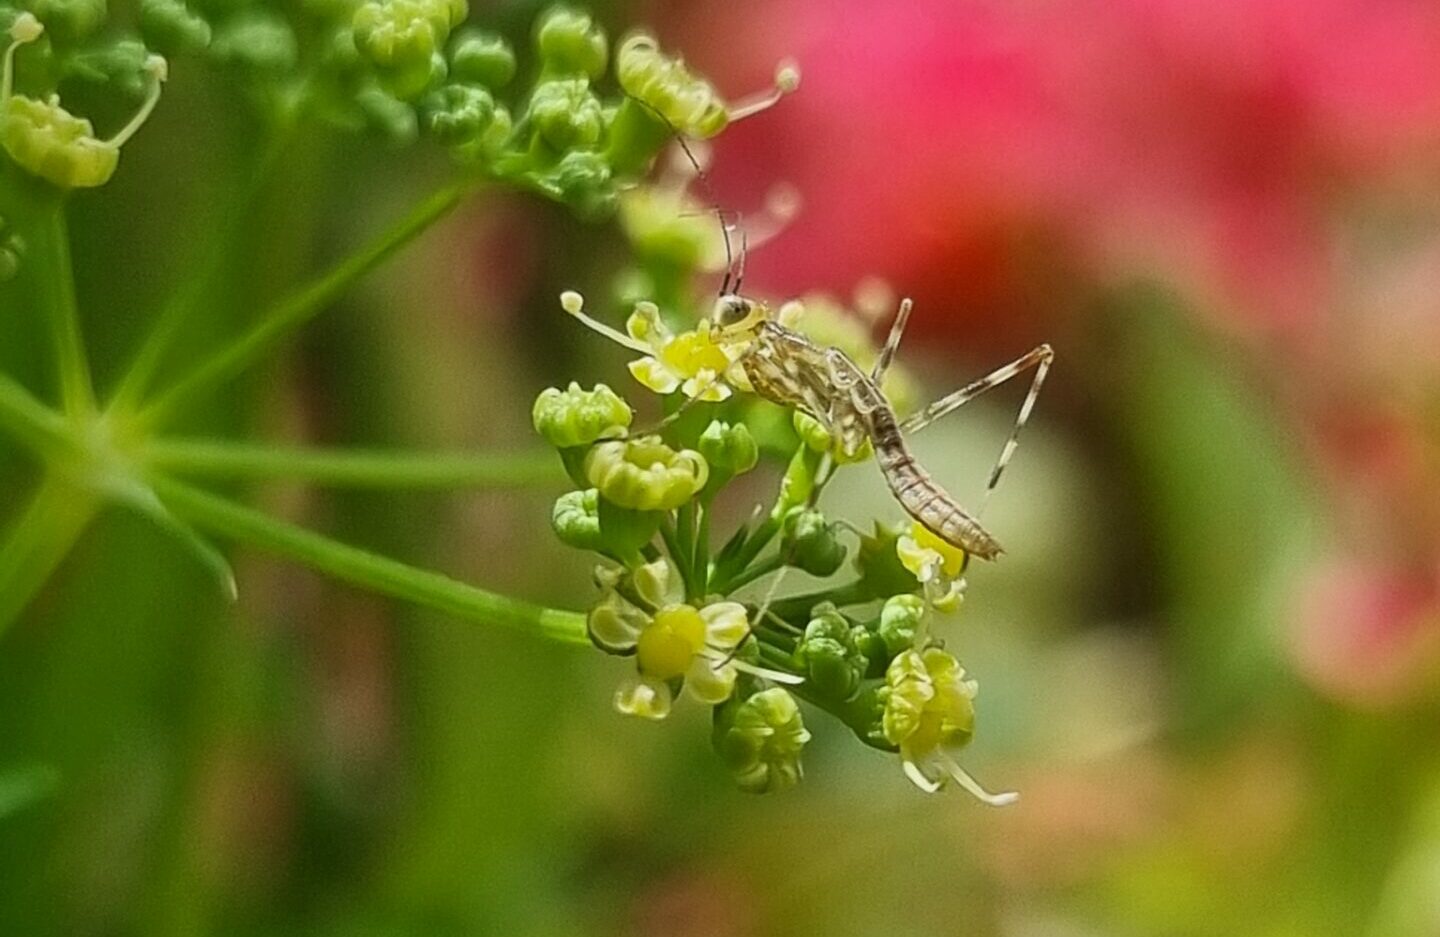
721	214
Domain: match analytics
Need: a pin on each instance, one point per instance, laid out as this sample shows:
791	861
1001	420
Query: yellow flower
938	565
692	361
674	643
930	712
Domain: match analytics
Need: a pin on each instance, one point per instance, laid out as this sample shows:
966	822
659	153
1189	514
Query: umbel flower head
46	140
675	644
930	713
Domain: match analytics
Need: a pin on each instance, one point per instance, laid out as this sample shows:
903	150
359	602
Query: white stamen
918	778
963	778
25	29
156	67
574	304
775	676
787	79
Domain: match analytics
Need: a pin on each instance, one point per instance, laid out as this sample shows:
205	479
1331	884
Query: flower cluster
401	68
700	615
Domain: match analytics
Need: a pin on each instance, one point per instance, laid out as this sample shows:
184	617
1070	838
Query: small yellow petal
654	375
643	698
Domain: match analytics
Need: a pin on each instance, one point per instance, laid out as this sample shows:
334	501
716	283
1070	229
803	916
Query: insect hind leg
1038	358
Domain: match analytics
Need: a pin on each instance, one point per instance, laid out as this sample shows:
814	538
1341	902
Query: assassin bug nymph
787	368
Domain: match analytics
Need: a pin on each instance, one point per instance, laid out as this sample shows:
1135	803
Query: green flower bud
570	43
688	104
760	739
402	39
730	449
483	58
256	39
811	543
69	20
581	180
832	663
645	474
392	117
172	28
459	114
566	114
578	417
900	621
576	519
880	568
45	139
121	65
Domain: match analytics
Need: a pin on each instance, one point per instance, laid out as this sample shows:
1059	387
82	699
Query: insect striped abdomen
919	494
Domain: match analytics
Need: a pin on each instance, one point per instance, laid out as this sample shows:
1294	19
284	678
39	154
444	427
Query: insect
785	367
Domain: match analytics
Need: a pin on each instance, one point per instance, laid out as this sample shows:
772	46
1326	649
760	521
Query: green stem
299	308
211	262
749	575
852	594
51	246
679	554
31	423
362	568
353	468
37	542
702	551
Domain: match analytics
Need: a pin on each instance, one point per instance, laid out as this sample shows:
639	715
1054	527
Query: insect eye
733	310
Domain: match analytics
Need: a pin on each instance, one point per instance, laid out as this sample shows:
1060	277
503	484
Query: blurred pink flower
949	145
1368	634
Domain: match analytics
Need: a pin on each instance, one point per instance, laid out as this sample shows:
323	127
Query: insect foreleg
892	343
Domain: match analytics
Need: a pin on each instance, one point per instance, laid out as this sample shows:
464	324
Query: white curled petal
654	374
710	682
615	624
657	583
647	699
725	624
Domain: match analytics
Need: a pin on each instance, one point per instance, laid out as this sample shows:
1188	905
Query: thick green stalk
37	542
299	308
50	244
354	468
378	573
33	424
